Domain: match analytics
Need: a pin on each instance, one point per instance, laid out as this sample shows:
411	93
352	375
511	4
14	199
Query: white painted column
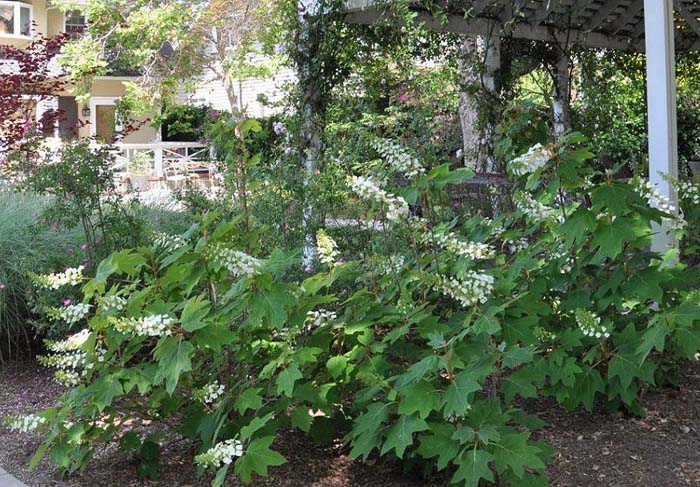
661	100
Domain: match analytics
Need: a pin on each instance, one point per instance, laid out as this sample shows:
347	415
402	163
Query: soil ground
599	449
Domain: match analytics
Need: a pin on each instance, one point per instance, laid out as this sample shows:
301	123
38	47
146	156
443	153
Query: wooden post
661	100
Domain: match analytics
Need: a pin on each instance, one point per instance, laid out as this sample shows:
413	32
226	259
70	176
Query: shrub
416	355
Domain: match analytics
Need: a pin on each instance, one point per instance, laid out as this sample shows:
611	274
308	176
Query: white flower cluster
398	157
220	454
688	191
151	326
167	242
64	361
532	208
393	264
397	208
70	365
320	317
658	201
469	250
650	192
25	424
210	393
71	276
535	158
326	247
589	324
473	288
560	252
515	246
239	264
70	314
73	342
279	128
112	303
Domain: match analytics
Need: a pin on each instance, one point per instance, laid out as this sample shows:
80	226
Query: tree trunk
561	99
468	55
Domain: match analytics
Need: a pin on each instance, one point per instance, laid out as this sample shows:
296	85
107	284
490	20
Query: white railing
165	158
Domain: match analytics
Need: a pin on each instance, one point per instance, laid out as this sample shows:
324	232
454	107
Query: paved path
7	480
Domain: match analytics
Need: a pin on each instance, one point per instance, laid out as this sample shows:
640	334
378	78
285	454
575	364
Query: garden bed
592	449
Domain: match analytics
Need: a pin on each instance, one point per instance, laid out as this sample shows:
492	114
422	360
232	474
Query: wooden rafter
546	10
688	16
631	12
603	14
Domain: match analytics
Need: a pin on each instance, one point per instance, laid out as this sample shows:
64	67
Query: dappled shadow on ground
597	449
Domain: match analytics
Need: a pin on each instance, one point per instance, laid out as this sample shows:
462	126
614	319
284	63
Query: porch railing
165	158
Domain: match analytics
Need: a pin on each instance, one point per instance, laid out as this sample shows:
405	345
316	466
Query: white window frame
65	27
17	27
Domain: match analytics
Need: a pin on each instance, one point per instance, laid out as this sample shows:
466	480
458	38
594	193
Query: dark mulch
597	449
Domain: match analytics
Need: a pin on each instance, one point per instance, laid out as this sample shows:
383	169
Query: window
15	19
75	24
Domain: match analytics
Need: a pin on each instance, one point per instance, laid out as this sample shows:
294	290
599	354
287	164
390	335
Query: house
23	20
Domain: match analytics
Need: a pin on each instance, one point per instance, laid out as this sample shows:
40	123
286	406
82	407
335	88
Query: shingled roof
616	24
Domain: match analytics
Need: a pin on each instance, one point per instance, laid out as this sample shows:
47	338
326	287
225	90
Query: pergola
656	27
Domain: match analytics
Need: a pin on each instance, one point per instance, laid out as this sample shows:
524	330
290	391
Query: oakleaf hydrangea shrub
420	354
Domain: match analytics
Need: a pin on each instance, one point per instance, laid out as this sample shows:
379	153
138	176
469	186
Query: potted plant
140	167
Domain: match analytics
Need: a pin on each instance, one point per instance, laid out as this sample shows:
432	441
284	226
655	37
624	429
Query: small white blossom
589	324
470	250
535	158
220	454
326	248
239	264
70	314
366	188
320	317
112	304
515	246
71	276
167	242
472	289
532	208
210	393
279	128
398	158
153	325
657	200
73	342
25	424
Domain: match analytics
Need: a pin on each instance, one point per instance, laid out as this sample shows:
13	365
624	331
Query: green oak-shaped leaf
421	398
515	453
400	435
257	458
174	359
249	399
457	394
610	237
439	444
473	465
287	378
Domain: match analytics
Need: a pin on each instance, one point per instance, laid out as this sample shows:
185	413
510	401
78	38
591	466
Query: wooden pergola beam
457	24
